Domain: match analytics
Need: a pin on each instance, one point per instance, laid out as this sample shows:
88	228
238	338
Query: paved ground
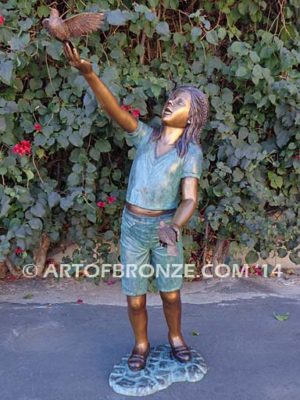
63	350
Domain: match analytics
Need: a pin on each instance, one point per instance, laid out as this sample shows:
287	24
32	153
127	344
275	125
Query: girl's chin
166	117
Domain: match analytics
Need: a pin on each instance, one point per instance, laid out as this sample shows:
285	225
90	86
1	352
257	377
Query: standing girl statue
168	159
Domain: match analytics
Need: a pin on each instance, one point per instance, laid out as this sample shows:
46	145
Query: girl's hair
197	115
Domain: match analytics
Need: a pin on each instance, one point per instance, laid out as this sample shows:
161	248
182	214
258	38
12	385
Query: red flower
19	250
110	281
101	204
126	107
2	19
38	127
10	278
257	270
111	199
136	113
22	148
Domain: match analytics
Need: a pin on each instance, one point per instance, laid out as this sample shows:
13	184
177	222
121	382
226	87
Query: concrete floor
53	348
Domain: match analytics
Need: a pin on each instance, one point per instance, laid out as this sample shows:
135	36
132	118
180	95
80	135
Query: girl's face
176	110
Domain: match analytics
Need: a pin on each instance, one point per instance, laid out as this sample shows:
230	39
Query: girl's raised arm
104	96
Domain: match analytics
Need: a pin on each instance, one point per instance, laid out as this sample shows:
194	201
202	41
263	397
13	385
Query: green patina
154	182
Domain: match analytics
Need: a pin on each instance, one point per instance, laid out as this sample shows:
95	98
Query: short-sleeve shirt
154	182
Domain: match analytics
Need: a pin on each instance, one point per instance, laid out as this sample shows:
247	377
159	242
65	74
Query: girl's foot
179	349
138	358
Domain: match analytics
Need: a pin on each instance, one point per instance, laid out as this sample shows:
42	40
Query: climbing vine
64	164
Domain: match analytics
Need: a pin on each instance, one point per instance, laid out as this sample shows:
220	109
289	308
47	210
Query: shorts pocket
127	222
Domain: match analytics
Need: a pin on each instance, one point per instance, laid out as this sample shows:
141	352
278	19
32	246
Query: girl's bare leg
172	311
138	317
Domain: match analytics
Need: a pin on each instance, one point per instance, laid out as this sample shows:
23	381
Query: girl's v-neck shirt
154	182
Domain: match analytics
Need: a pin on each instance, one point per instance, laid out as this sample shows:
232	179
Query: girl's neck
170	135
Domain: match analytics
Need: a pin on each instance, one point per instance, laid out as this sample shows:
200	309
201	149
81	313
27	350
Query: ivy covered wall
64	164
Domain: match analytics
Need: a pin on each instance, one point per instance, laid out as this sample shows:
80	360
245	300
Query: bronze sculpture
185	112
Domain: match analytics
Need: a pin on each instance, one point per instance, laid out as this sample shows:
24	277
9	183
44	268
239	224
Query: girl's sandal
181	353
137	361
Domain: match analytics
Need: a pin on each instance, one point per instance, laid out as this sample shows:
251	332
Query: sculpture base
161	370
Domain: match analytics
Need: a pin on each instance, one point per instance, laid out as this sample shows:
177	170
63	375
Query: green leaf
29	174
251	257
28	296
103	145
178	39
276	181
54	49
238	175
5	205
243	7
91	216
195	32
222	33
75	139
282	252
26	24
257	72
241	71
19	43
281	317
153	3
43	11
116	17
109	235
239	48
66	202
74	179
36	224
2	124
38	210
254	56
212	37
6	68
162	28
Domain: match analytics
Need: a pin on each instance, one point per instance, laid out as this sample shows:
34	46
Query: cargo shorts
142	255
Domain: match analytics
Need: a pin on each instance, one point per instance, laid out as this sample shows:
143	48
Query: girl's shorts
142	255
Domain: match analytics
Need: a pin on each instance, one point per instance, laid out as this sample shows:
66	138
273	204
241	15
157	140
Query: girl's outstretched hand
85	67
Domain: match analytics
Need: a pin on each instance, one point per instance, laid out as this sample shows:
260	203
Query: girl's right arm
104	96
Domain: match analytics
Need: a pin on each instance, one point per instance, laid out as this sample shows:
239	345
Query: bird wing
84	23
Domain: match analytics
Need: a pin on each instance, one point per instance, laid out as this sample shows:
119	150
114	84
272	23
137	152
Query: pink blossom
19	250
126	107
110	281
136	113
111	199
38	127
22	148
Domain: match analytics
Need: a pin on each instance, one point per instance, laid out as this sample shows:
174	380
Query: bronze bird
168	238
76	26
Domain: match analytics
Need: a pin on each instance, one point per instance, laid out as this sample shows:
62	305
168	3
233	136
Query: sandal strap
181	347
137	356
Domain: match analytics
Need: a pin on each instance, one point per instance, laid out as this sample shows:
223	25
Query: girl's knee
170	297
136	303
